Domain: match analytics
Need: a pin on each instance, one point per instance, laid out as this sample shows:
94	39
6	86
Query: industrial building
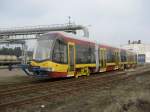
142	50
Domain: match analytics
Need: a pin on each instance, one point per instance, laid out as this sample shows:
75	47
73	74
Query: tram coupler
27	69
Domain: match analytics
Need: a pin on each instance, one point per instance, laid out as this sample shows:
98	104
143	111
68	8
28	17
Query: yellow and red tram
58	54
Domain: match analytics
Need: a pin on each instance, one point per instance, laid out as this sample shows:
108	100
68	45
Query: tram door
71	56
103	58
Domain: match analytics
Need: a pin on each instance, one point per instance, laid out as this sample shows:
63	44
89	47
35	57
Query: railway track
49	84
25	91
62	92
66	89
26	85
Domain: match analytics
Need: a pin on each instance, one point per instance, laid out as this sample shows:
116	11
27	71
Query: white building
140	48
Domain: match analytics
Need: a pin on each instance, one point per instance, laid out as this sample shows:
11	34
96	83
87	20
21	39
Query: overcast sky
111	21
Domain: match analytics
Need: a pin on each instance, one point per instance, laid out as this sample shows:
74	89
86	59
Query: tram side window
110	56
85	54
92	54
123	56
60	52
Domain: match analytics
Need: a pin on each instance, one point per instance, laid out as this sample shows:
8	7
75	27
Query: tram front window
43	49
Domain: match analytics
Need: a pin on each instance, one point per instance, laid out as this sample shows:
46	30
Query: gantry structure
21	34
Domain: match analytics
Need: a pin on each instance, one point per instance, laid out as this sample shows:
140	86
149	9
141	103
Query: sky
112	22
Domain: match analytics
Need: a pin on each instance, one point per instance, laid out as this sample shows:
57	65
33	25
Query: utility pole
69	18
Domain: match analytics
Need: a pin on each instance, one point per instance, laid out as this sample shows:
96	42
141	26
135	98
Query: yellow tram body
98	58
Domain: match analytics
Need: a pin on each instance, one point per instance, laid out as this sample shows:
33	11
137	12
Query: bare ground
123	96
12	77
126	96
9	79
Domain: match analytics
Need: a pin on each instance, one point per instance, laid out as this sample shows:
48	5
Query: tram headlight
49	69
